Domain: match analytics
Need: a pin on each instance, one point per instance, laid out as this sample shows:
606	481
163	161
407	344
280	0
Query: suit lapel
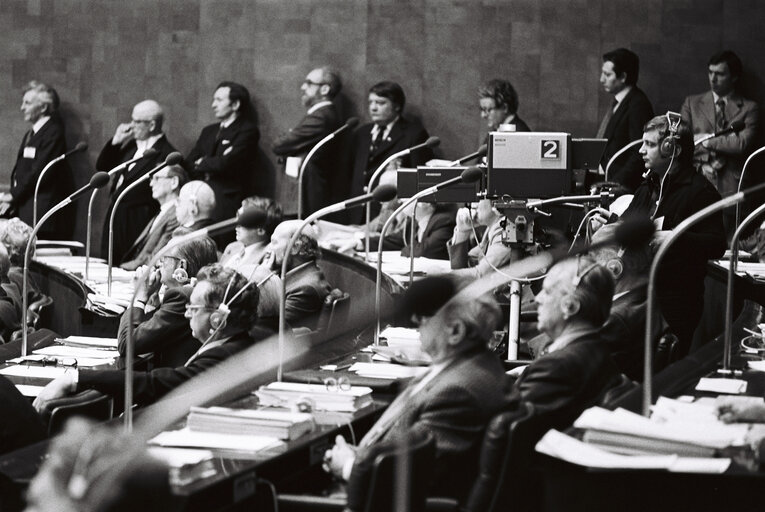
733	107
707	108
396	132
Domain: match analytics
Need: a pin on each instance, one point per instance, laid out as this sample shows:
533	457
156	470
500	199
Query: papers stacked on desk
288	394
398	266
186	465
401	337
224	420
386	370
754	269
676	428
89	342
243	445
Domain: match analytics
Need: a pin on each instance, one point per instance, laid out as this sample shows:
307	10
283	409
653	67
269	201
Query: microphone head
174	158
737	125
99	180
471	174
251	218
352	122
384	193
482	150
432	142
81	146
634	232
150	153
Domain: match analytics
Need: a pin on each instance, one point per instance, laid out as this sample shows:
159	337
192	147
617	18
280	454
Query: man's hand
732	409
598	220
57	388
123	134
336	458
152	280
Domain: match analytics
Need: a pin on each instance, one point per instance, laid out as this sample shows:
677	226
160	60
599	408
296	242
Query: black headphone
219	317
671	138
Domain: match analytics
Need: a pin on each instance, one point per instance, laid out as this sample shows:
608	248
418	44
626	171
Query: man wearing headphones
221	314
671	192
575	369
306	285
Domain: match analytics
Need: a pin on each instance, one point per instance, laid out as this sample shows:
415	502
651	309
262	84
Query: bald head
147	119
196	201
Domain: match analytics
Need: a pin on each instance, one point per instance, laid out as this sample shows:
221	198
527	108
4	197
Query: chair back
379	487
335	311
90	403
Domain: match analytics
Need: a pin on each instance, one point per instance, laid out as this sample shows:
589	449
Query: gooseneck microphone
430	143
482	150
620	153
173	158
469	175
734	127
249	218
651	302
98	180
149	153
349	124
381	193
81	146
741	179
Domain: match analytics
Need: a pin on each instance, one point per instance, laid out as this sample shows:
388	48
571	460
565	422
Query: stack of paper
186	465
224	420
401	336
241	444
386	370
288	394
89	342
675	430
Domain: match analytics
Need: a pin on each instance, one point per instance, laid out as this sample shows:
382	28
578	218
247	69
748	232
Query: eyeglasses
192	308
487	110
138	121
311	82
157	178
337	384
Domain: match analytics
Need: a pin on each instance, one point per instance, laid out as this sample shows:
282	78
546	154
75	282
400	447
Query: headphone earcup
180	275
218	317
615	266
667	147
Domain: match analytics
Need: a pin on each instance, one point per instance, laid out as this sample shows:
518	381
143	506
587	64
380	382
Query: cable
272	488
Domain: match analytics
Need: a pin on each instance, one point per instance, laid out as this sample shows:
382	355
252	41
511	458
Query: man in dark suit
454	400
576	368
434	225
165	188
323	182
45	141
306	286
131	140
627	113
224	155
498	102
388	133
721	159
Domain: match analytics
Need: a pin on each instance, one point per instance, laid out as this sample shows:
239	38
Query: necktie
720	121
606	119
378	140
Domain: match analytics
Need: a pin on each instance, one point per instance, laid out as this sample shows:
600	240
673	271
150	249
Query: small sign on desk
727	386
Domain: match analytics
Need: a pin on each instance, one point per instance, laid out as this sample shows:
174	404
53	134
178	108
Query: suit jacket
403	134
165	332
153	385
20	424
247	263
323	173
433	245
625	126
45	145
567	381
137	207
228	163
455	408
624	332
306	289
732	149
490	250
149	242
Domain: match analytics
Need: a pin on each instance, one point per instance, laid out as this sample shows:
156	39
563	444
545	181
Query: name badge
29	152
225	142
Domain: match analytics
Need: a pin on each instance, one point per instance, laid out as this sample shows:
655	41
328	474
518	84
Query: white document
34	372
386	370
728	386
292	166
179	457
90	341
77	352
29	391
186	438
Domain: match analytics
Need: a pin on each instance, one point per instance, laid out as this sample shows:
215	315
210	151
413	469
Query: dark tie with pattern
720	121
378	140
606	119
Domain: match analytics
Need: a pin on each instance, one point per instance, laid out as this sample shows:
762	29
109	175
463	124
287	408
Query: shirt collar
388	128
228	122
319	105
40	123
619	96
716	98
143	145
